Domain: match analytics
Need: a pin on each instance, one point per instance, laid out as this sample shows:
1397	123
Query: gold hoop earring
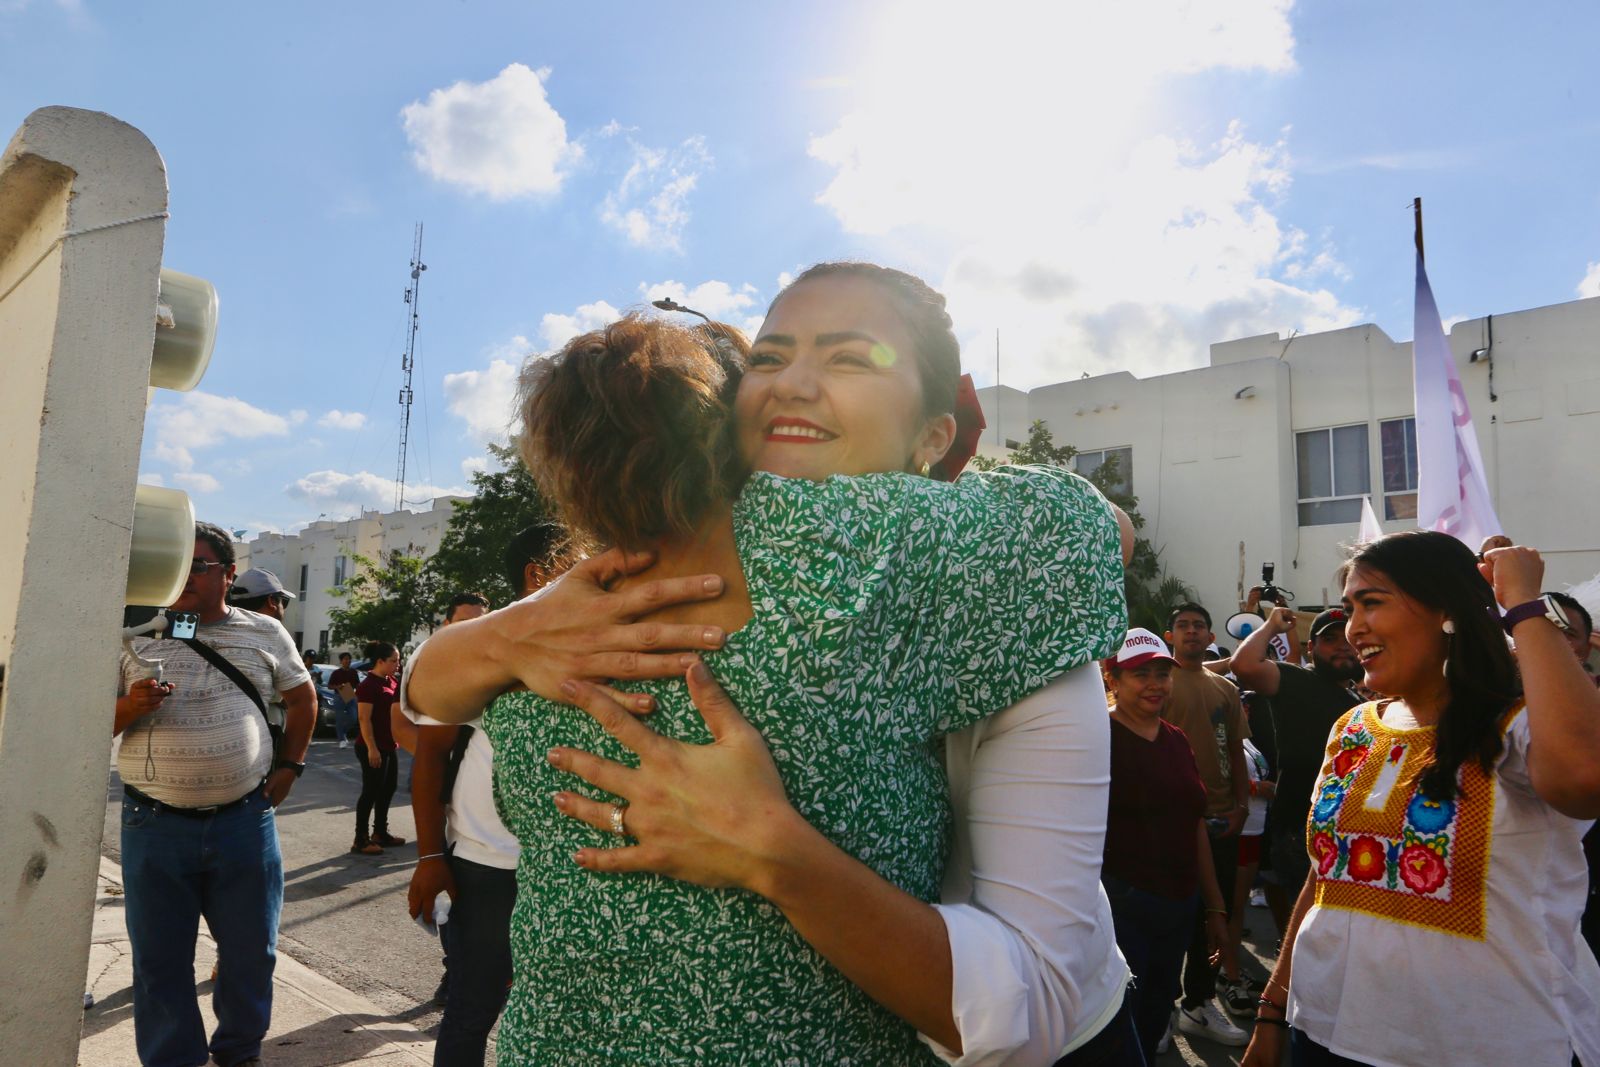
926	467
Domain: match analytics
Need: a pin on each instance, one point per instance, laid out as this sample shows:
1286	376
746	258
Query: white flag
1452	495
1371	529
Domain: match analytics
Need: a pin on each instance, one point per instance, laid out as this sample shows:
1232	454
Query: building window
1087	463
322	644
300	639
338	572
1333	469
1398	439
305	570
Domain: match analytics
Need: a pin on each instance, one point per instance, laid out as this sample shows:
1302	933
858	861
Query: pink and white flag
1452	494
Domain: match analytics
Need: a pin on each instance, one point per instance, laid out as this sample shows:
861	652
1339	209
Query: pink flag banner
1452	494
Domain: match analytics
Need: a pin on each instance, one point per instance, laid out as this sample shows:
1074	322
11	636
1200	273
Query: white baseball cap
1141	646
257	582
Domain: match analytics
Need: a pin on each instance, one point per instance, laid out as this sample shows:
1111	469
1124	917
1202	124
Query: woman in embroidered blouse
918	979
1440	920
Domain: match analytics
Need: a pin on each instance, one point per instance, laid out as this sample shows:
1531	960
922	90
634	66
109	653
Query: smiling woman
814	404
868	615
1445	833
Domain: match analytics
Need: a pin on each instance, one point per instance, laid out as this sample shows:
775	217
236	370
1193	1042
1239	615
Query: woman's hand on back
715	815
576	627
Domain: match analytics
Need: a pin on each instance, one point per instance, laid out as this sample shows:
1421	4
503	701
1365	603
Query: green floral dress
888	610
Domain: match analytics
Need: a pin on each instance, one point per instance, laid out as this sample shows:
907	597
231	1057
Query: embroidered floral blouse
1442	931
888	610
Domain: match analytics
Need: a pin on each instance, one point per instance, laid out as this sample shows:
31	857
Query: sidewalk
315	1023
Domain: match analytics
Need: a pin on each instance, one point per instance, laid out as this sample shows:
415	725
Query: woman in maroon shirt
1157	860
375	749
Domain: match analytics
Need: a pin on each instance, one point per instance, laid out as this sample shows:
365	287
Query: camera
1269	592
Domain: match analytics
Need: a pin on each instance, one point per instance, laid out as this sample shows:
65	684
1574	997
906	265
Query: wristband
431	856
1273	1022
1265	1003
1216	911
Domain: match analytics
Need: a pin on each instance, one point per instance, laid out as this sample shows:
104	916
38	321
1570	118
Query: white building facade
1265	454
315	563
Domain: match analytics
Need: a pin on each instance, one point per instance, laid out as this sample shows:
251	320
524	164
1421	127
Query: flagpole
1416	206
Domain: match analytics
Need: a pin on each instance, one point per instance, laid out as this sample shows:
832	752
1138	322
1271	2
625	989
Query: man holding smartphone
201	782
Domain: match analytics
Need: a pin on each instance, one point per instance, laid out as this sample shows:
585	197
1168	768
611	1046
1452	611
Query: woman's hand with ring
715	815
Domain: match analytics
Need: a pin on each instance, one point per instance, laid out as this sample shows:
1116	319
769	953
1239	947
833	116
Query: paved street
345	915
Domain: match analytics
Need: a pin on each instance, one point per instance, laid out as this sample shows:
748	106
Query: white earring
1449	626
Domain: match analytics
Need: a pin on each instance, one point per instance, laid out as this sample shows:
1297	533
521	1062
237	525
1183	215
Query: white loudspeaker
186	331
163	545
1243	624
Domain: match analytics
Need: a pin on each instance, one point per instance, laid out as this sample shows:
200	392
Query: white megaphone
1244	624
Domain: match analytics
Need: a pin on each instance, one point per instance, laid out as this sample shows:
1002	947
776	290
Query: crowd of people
800	748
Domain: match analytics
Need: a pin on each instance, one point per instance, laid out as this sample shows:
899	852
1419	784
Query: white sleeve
400	699
1033	951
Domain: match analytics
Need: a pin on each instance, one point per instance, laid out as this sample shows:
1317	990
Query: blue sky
1109	186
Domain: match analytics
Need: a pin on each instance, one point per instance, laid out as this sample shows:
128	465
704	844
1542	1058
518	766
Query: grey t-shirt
207	743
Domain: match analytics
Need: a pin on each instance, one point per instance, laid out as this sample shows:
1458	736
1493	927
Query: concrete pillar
77	322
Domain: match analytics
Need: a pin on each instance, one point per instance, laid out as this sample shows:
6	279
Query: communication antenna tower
408	360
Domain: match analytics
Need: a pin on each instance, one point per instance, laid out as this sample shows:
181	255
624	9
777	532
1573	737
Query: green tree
1151	590
387	600
471	556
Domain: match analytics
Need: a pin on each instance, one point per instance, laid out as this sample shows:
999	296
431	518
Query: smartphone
181	624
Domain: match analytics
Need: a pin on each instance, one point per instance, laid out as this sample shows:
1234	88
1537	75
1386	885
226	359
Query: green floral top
888	610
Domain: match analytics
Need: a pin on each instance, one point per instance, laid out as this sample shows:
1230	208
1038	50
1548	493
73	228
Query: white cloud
483	398
1076	216
474	465
185	422
1590	286
650	206
342	420
740	306
556	329
501	137
196	482
344	496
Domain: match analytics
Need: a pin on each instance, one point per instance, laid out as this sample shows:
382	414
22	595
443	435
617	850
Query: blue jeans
1304	1052
477	946
1153	933
176	869
1116	1045
344	719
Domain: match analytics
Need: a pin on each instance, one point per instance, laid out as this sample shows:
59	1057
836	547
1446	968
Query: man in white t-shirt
198	832
464	851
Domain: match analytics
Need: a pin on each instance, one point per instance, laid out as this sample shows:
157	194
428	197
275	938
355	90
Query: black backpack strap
236	676
452	765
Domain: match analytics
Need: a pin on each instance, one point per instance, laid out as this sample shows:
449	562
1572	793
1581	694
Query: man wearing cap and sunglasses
262	592
202	780
1306	702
